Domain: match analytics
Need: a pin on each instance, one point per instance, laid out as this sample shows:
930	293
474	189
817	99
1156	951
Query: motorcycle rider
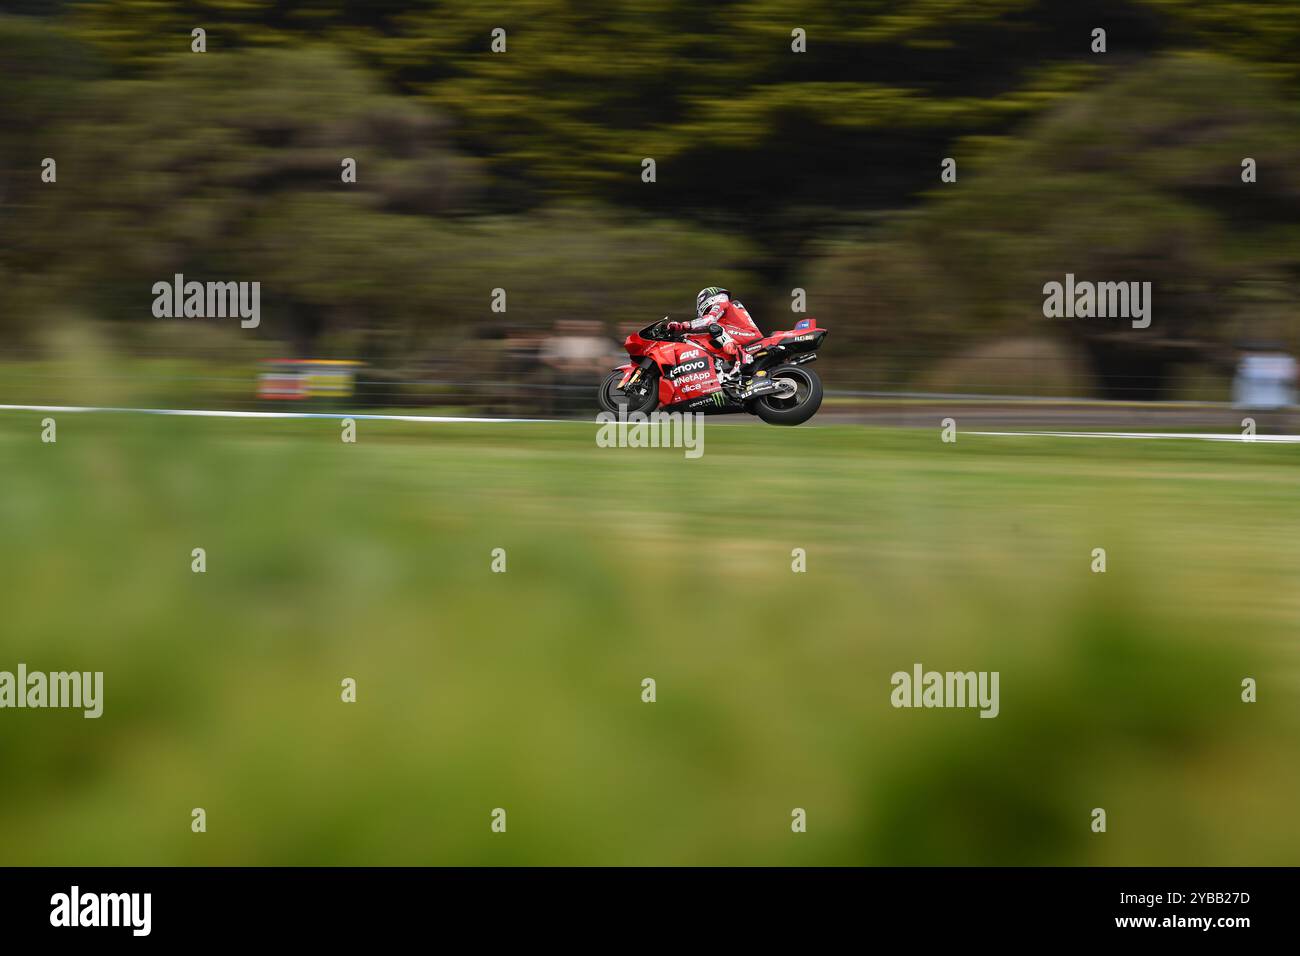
729	325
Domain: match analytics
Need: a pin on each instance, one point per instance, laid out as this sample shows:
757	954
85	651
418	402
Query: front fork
634	374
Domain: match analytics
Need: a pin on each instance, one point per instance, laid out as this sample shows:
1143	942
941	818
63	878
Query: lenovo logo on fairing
695	366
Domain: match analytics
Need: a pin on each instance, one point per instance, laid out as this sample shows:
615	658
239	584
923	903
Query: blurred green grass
522	690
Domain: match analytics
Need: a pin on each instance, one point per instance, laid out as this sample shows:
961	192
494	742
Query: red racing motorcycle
680	372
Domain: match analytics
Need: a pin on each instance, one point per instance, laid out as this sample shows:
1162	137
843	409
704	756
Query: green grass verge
522	690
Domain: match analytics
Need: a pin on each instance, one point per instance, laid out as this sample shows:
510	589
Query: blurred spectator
577	355
522	375
1266	378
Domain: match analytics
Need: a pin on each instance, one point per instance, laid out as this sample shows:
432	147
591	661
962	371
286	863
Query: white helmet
708	297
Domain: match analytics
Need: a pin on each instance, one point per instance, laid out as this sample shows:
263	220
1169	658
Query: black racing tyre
800	406
645	400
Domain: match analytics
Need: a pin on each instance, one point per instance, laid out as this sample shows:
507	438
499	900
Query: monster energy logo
717	398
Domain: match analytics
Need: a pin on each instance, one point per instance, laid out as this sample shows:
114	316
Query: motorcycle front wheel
643	397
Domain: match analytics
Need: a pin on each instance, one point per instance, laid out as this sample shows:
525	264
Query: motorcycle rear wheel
800	406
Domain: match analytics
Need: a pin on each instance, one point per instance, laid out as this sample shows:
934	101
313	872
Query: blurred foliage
586	89
778	170
254	192
1137	181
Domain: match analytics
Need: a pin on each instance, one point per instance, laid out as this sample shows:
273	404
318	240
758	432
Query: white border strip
218	413
222	413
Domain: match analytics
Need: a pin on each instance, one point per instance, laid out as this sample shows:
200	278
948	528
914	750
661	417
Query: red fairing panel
687	372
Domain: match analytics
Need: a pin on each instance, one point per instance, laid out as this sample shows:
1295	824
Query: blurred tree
169	172
735	119
43	76
1263	33
586	90
1138	181
387	286
229	168
179	161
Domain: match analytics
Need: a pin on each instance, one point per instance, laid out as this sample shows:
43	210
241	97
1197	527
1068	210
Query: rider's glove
679	326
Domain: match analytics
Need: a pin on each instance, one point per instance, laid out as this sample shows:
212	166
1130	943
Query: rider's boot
733	375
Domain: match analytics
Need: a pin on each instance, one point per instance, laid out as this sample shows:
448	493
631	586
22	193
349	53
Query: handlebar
659	332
